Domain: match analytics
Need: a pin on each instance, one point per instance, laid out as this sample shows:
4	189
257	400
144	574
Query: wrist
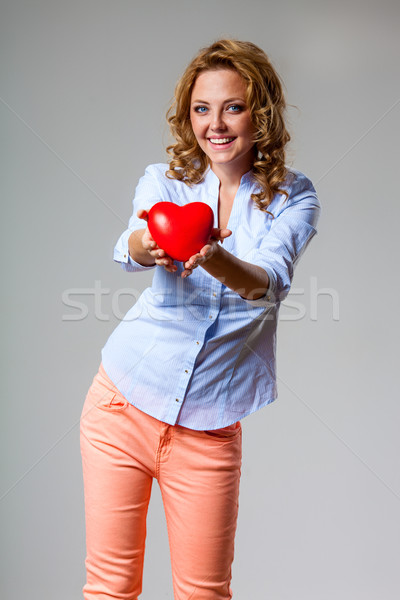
215	255
137	251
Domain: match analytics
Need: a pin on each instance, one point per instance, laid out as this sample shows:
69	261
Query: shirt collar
214	181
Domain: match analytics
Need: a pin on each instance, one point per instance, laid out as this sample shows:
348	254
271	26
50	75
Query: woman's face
221	119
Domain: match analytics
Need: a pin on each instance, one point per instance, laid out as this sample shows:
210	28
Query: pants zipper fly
164	447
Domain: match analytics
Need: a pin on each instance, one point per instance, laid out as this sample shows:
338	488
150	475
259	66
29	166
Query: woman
196	353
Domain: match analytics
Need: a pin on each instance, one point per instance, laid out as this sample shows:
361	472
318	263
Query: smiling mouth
221	141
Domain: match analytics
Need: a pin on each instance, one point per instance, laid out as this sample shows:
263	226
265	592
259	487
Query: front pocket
112	401
228	432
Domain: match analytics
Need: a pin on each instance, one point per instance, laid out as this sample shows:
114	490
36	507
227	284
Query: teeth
221	140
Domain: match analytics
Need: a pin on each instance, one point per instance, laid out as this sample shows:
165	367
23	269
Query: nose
217	122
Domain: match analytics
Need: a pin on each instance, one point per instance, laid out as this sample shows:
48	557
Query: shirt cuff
121	255
268	299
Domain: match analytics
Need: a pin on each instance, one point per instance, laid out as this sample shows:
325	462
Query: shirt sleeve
147	193
291	231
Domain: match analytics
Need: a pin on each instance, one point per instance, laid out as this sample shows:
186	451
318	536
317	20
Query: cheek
198	130
248	131
195	126
247	128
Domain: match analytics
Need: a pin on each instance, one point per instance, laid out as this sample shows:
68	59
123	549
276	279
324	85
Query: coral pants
122	450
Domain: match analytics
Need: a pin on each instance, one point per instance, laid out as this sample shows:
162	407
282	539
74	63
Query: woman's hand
207	251
160	256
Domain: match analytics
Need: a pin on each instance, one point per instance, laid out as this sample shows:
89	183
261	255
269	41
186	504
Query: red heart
180	230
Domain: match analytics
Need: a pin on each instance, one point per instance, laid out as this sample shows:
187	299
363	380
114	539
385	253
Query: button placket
214	301
183	382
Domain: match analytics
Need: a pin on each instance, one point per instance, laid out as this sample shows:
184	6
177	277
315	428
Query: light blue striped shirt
191	351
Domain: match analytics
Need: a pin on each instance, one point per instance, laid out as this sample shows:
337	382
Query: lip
220	146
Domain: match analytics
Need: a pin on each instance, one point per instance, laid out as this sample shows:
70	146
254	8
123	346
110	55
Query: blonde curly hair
266	102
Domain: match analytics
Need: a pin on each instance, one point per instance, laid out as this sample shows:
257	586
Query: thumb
223	233
142	214
218	233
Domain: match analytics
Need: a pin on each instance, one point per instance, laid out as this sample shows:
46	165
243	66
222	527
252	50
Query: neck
230	175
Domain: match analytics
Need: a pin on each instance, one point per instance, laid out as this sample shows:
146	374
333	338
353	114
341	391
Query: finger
218	233
163	262
192	259
142	214
152	247
190	265
171	269
147	240
205	250
155	249
224	233
164	258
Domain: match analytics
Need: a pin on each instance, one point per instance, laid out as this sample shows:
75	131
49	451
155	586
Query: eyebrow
227	100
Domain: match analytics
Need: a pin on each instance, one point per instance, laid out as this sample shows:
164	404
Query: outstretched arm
249	281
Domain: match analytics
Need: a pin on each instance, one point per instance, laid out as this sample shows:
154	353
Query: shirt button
124	255
197	343
176	399
211	316
215	295
186	371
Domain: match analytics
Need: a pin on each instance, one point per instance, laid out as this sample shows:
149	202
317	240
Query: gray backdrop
84	89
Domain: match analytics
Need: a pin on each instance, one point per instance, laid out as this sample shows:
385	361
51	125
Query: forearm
136	250
249	281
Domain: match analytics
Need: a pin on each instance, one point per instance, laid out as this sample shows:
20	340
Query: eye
200	109
235	108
